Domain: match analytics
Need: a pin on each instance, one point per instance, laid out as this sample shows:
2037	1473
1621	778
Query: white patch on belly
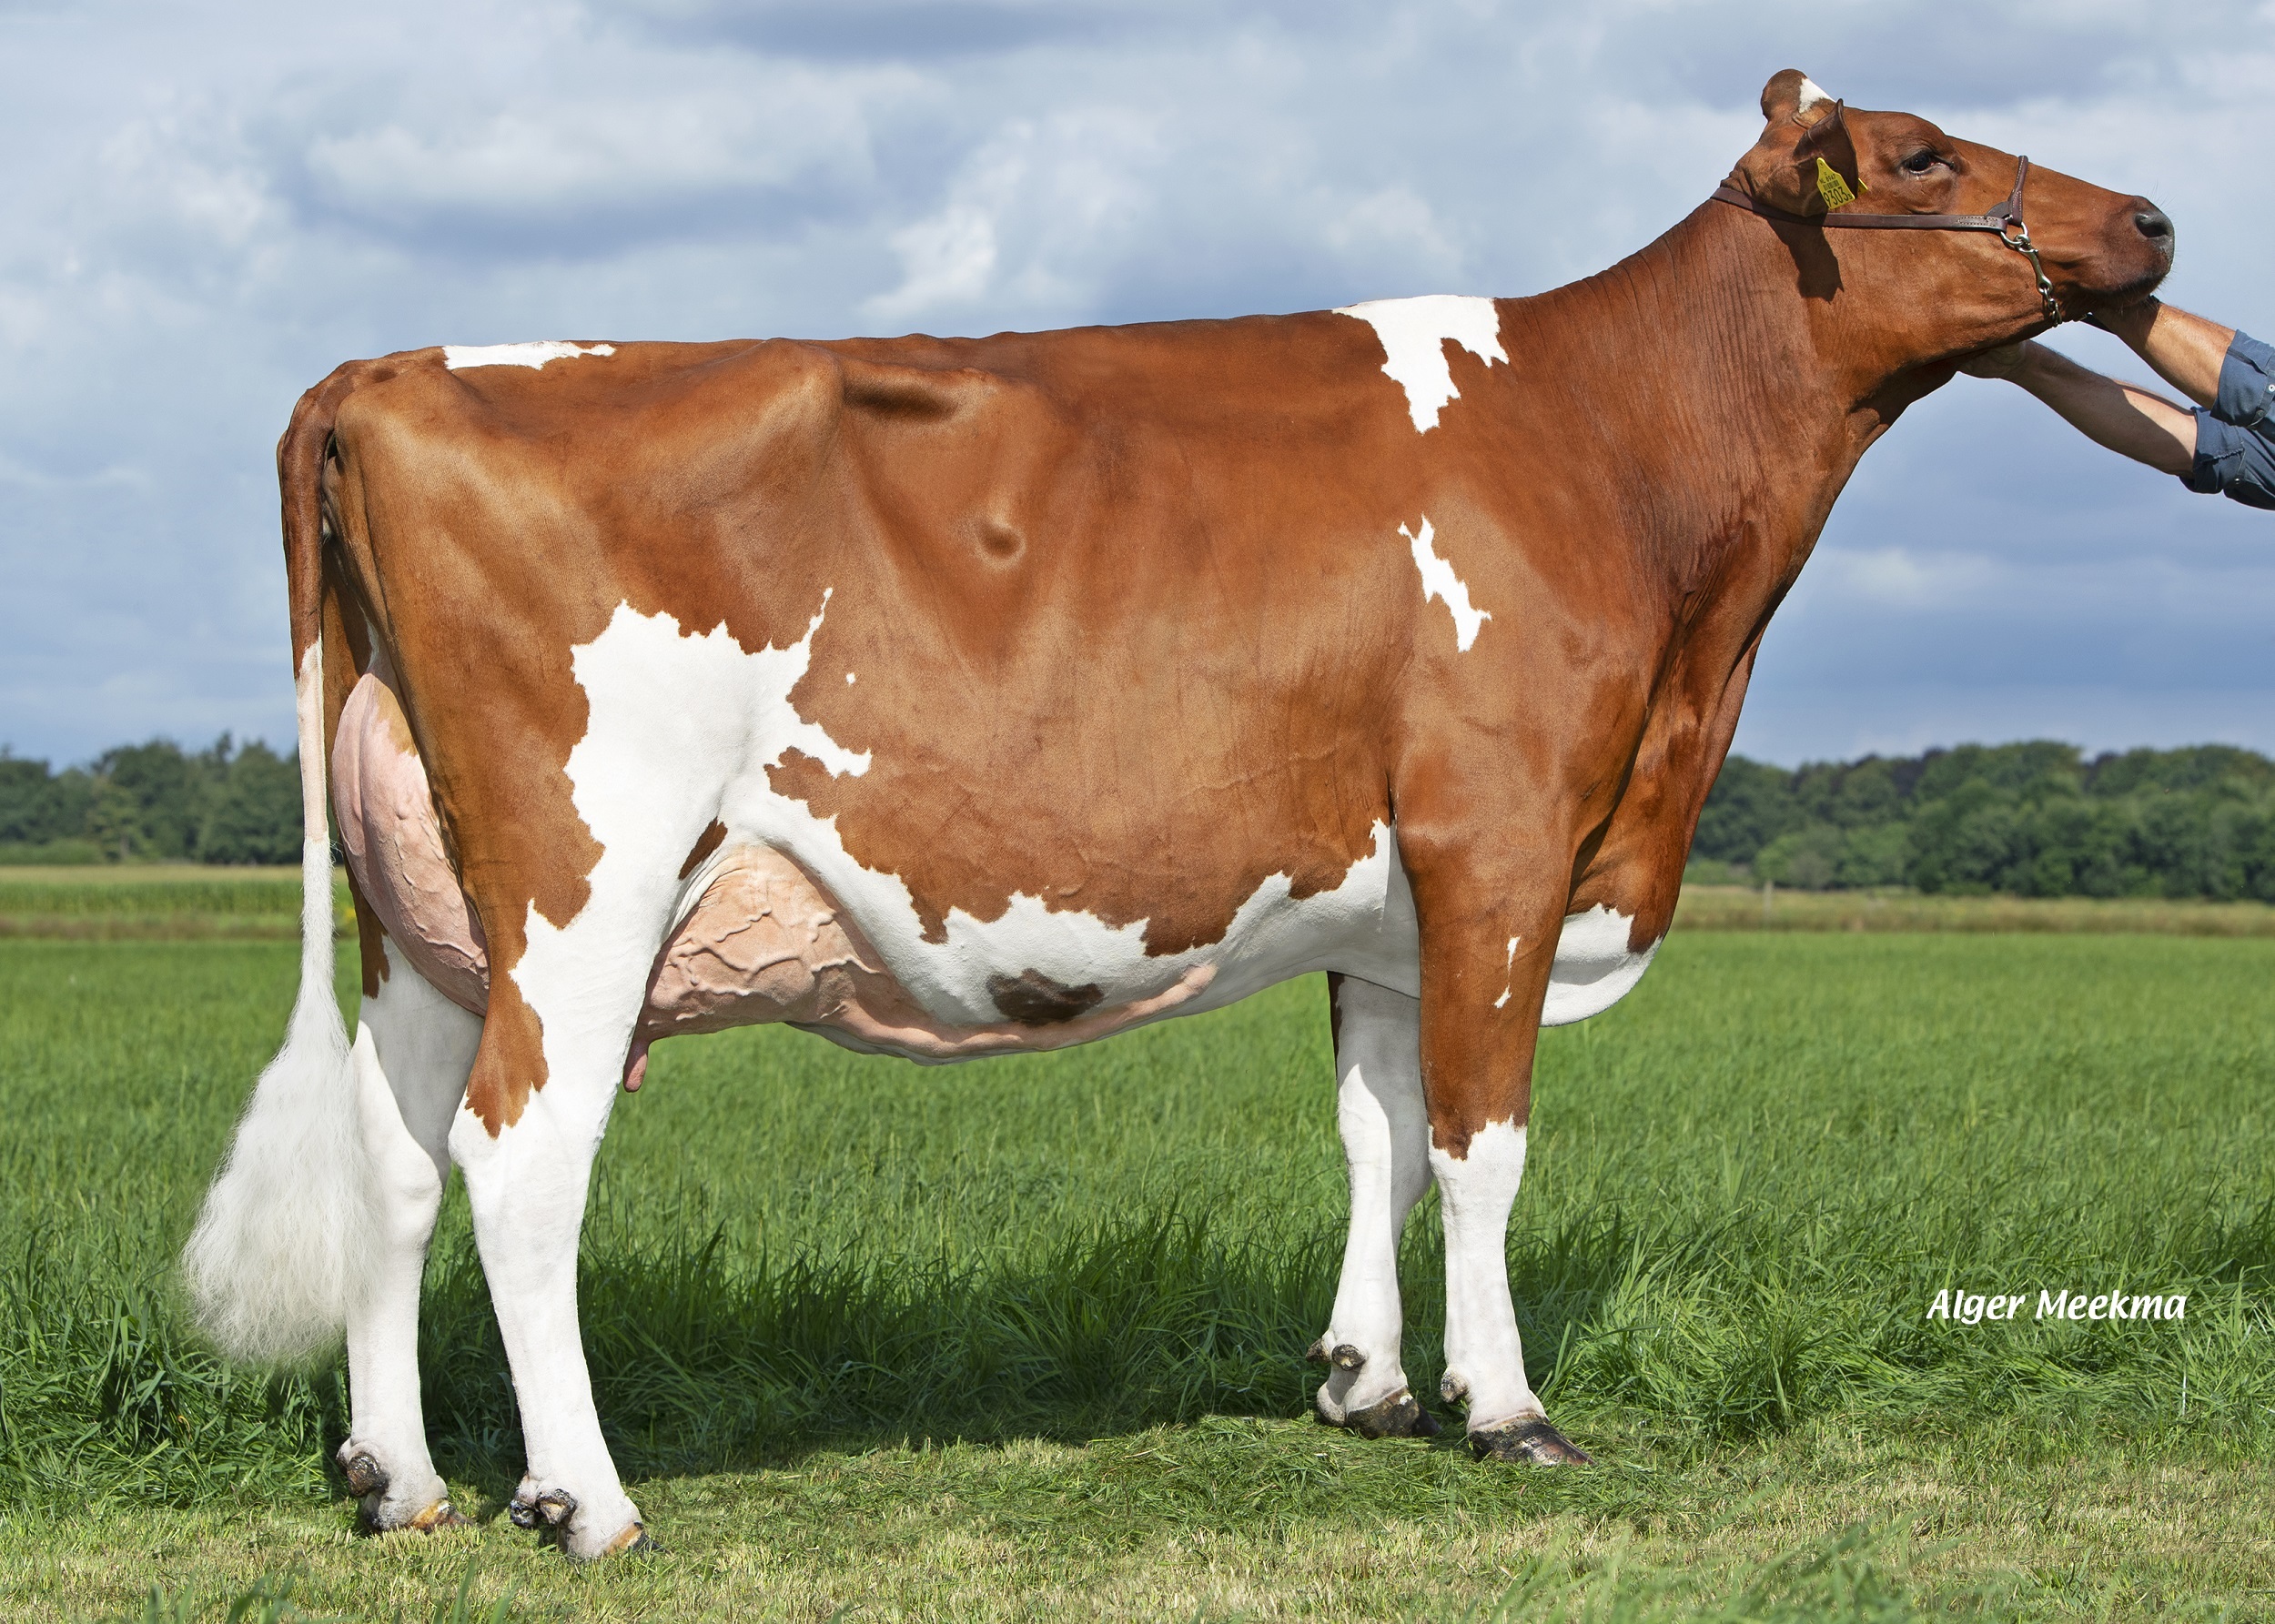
1595	968
459	357
1414	331
682	729
1440	582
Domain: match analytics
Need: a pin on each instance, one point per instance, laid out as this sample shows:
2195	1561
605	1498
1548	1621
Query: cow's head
1963	289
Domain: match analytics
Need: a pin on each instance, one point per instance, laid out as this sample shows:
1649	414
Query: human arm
2188	351
2124	418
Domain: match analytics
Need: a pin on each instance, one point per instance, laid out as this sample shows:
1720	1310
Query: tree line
2038	819
2035	820
152	802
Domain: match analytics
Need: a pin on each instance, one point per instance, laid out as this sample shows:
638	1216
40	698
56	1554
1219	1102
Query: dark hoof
1528	1439
1347	1358
551	1509
1398	1416
366	1478
1316	1353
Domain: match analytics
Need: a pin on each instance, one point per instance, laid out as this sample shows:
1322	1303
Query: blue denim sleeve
2247	383
2235	440
2235	462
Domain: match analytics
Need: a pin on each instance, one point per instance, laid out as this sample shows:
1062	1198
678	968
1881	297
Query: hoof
551	1509
632	1542
1527	1438
369	1481
1398	1416
1347	1358
366	1476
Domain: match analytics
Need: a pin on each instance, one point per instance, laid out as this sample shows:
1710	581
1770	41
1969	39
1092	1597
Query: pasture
1024	1338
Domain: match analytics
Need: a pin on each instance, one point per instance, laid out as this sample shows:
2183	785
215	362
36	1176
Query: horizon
2087	755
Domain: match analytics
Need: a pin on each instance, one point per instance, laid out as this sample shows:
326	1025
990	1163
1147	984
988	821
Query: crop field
1022	1339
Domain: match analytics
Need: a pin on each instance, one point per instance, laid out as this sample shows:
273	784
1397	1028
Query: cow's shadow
702	1367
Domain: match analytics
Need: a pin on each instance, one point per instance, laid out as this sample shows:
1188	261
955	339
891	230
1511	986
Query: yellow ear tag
1832	188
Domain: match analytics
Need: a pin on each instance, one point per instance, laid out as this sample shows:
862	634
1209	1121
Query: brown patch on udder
706	845
1034	999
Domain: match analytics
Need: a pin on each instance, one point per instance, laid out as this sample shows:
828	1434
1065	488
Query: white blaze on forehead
1414	333
459	357
1440	582
1811	94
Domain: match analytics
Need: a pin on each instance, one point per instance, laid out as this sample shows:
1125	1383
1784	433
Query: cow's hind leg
528	1166
413	1049
1386	1141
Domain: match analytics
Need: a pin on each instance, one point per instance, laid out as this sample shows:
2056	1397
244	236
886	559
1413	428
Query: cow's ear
1793	94
1805	162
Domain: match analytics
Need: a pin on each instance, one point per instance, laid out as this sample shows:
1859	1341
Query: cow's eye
1920	162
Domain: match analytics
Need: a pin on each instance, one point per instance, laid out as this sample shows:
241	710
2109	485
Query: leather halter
2006	220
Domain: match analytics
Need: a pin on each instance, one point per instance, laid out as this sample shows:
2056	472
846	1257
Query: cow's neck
1756	403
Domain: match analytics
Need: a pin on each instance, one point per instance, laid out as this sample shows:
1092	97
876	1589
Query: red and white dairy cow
948	697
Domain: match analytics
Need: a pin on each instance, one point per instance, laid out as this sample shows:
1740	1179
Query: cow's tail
290	1223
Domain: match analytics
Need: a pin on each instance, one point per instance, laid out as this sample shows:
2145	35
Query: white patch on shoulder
1439	580
1595	968
1812	93
1414	333
459	357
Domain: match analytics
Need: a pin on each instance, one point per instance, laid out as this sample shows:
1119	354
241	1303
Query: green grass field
1022	1339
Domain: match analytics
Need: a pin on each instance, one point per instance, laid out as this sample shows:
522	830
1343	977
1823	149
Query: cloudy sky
208	206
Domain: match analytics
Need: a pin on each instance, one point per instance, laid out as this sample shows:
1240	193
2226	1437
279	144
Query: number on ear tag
1832	188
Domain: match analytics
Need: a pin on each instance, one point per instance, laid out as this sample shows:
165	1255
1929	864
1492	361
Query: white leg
413	1049
1386	1143
1484	1359
527	1187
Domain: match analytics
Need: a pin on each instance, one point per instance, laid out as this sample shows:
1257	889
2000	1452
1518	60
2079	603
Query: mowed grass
1024	1338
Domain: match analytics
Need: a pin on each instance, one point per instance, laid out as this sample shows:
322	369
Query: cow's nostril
2153	224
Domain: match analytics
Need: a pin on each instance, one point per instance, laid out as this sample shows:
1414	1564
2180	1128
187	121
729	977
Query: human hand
2003	362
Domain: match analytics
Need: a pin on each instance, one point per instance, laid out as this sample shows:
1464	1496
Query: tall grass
1745	1186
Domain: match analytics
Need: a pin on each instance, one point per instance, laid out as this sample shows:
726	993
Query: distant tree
157	779
29	808
252	810
1750	806
2036	819
113	820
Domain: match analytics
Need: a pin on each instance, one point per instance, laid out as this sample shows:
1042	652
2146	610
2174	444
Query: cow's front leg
535	1109
1485	968
413	1049
1386	1142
